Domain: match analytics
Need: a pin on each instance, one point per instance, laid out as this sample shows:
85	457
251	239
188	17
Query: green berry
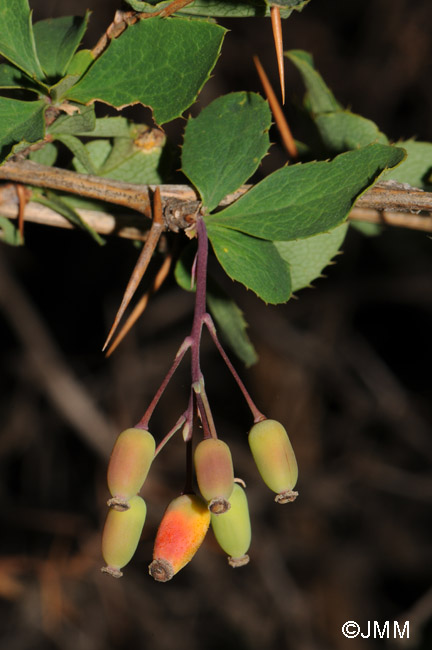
232	529
275	458
121	535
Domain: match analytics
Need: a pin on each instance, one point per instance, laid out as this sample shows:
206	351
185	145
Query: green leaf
253	262
56	41
16	37
20	122
306	199
125	160
128	71
342	131
416	169
320	97
79	151
79	123
9	233
231	323
225	8
307	257
80	62
59	90
56	203
109	127
98	151
47	155
13	77
224	145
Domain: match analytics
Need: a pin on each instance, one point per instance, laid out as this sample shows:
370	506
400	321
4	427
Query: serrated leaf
98	151
20	122
79	123
342	131
224	145
56	42
60	89
187	51
55	202
47	155
13	77
16	37
254	262
231	324
79	151
224	8
306	199
9	233
307	257
134	164
124	161
109	127
320	97
416	169
80	62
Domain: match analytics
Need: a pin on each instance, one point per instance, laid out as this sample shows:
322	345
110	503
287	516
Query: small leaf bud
121	535
129	464
275	458
232	529
180	534
215	473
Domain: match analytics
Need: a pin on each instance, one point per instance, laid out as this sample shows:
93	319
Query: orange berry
215	473
121	535
180	534
275	458
129	464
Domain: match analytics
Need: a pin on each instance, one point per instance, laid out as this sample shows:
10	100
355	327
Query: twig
388	202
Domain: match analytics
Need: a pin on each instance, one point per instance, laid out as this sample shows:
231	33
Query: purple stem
199	312
144	422
257	415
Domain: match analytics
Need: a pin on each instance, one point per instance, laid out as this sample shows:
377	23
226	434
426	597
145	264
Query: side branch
387	203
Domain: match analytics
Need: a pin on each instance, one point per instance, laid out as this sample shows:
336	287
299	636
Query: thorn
142	262
23	199
141	305
278	41
280	120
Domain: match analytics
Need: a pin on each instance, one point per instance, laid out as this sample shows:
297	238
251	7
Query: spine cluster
222	501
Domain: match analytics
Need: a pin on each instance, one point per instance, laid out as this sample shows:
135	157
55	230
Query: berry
275	459
215	473
180	534
232	529
130	462
121	535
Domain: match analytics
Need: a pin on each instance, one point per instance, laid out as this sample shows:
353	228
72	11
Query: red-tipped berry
130	462
232	529
180	534
215	473
275	459
121	535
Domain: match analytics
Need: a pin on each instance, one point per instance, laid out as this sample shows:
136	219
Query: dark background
346	367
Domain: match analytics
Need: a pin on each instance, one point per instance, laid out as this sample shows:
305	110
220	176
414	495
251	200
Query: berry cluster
223	502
